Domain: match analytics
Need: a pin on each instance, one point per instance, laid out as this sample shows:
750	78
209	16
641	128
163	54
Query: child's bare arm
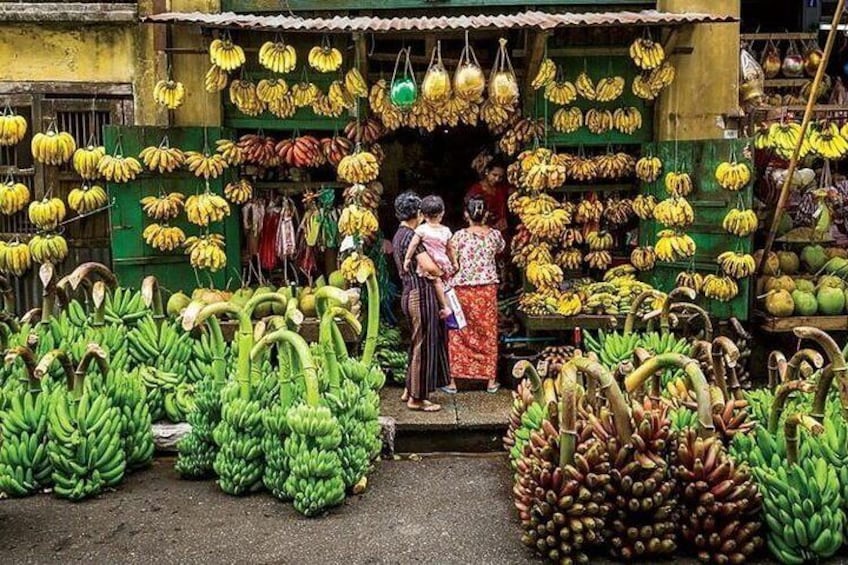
411	251
451	252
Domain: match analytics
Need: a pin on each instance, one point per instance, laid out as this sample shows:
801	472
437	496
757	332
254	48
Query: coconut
805	303
784	225
779	303
831	300
789	262
831	281
780	283
832	252
814	257
177	303
772	263
805	285
307	304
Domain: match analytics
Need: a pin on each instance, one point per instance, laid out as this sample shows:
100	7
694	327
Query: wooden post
805	123
536	43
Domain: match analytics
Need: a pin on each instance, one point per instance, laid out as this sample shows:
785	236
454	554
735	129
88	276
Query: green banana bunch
612	348
74	315
682	419
126	389
531	421
659	343
124	306
315	481
24	464
162	345
390	354
357	417
832	446
157	384
112	338
277	468
179	402
84	433
239	462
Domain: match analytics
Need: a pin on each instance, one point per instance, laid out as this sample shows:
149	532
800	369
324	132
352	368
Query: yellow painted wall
706	87
73	54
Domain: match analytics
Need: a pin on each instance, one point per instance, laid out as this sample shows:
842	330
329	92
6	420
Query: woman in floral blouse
473	350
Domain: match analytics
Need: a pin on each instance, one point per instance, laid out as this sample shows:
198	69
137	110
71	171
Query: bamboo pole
805	123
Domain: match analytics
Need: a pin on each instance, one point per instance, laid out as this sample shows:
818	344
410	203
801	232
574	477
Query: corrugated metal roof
526	19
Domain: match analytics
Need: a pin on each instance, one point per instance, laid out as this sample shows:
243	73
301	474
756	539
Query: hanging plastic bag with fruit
793	62
404	90
469	82
503	86
436	86
770	60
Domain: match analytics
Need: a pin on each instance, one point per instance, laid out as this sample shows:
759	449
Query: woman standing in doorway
428	360
474	349
494	192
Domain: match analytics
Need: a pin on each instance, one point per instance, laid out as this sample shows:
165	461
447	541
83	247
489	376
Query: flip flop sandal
448	390
494	388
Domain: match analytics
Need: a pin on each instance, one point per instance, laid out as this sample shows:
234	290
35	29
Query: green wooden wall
710	203
132	258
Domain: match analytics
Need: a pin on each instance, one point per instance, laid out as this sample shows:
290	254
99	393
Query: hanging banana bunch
162	158
169	93
215	80
324	58
86	160
53	147
226	54
13	127
545	75
278	56
87	199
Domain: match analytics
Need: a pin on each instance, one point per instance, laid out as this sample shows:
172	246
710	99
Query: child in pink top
435	238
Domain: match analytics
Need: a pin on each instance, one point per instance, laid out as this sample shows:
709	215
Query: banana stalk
373	323
708	323
776	368
47	274
630	320
781	396
790	433
568	414
8	295
686	292
838	368
330	347
525	370
724	352
151	294
611	391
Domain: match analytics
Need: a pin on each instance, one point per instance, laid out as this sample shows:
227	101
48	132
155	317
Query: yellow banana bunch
325	59
163	237
643	258
283	108
589	211
618	211
13	128
356	268
644	89
733	175
582	169
53	147
205	165
206	251
689	279
14	196
598	121
226	54
544	275
609	88
163	207
662	76
678	183
568	120
828	142
560	92
547	226
87	199
672	246
545	75
723	289
648	169
627	120
647	54
47	213
15	258
162	158
542	170
204	208
612	166
270	90
325	106
740	222
536	204
358	220
340	96
48	248
598	259
355	83
169	93
239	192
495	115
378	97
86	159
231	152
569	304
278	57
783	136
541	253
571	237
737	265
304	94
569	259
359	168
243	96
674	212
215	79
643	206
585	87
599	241
117	168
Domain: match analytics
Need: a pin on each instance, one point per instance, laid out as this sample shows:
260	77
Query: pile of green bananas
124	306
802	501
239	463
126	389
357	413
84	433
315	482
162	345
531	421
612	348
390	355
24	465
167	395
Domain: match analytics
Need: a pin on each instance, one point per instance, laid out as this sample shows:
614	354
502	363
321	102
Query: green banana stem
776	369
26	355
697	383
665	324
723	351
257	300
567	414
93	353
244	338
74	382
642	355
326	297
294	317
611	391
630	320
781	396
525	370
820	397
219	364
837	361
708	324
373	323
288	373
790	432
98	298
329	345
153	296
304	359
5	334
